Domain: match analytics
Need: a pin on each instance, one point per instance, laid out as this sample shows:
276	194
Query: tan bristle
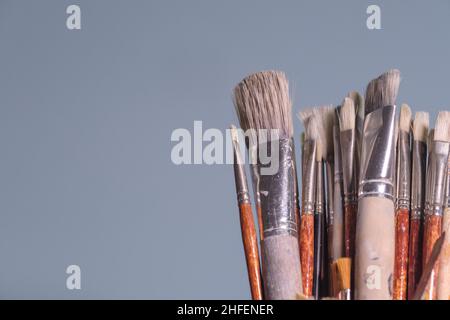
430	140
304	115
344	267
321	141
262	102
359	103
234	134
348	115
329	115
382	91
420	126
405	118
441	132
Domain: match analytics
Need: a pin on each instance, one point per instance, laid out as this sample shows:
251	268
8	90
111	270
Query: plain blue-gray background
86	118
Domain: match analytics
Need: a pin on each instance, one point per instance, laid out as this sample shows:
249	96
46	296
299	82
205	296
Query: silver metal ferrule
308	177
403	195
419	164
344	294
240	177
436	178
319	188
338	176
277	192
348	140
378	154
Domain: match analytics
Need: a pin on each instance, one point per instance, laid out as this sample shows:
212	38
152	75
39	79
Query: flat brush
309	168
403	203
348	144
443	292
249	238
435	193
263	105
375	231
343	266
419	162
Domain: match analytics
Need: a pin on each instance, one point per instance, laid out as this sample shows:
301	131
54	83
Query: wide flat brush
375	231
344	266
435	194
419	162
403	204
263	105
309	168
249	237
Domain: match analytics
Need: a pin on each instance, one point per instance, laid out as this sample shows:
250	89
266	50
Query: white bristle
420	126
405	118
348	115
382	91
442	132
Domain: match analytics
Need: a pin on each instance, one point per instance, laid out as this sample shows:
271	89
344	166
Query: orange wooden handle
415	256
250	242
432	232
401	254
307	252
350	211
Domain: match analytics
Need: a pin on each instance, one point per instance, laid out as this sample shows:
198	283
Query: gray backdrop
86	118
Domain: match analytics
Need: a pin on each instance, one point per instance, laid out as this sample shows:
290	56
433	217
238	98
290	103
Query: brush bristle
348	115
325	117
382	91
262	102
405	118
311	129
234	134
430	140
442	132
359	104
420	126
321	141
304	115
344	266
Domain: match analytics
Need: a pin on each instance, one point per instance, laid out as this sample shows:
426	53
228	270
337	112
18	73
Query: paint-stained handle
401	254
250	242
444	264
415	256
432	232
307	252
375	239
350	211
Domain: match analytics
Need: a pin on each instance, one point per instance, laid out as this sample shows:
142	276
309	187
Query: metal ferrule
419	164
436	178
308	177
240	177
254	172
329	187
277	192
403	196
344	294
347	139
319	188
447	186
294	163
378	154
337	156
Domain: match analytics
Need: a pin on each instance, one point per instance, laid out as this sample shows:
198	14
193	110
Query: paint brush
419	162
263	105
347	123
309	168
337	219
343	266
443	292
249	238
403	204
375	231
358	100
435	193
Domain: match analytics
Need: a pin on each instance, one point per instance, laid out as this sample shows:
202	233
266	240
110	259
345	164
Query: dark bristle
262	102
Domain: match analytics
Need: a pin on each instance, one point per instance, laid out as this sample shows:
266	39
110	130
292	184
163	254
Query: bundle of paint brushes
365	218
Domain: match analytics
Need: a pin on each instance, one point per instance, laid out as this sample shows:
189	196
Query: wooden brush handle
307	252
401	254
415	256
374	257
444	264
350	212
281	268
251	250
432	232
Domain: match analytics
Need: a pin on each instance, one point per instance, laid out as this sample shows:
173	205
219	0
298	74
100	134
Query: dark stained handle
401	254
350	212
250	242
307	252
415	256
432	232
